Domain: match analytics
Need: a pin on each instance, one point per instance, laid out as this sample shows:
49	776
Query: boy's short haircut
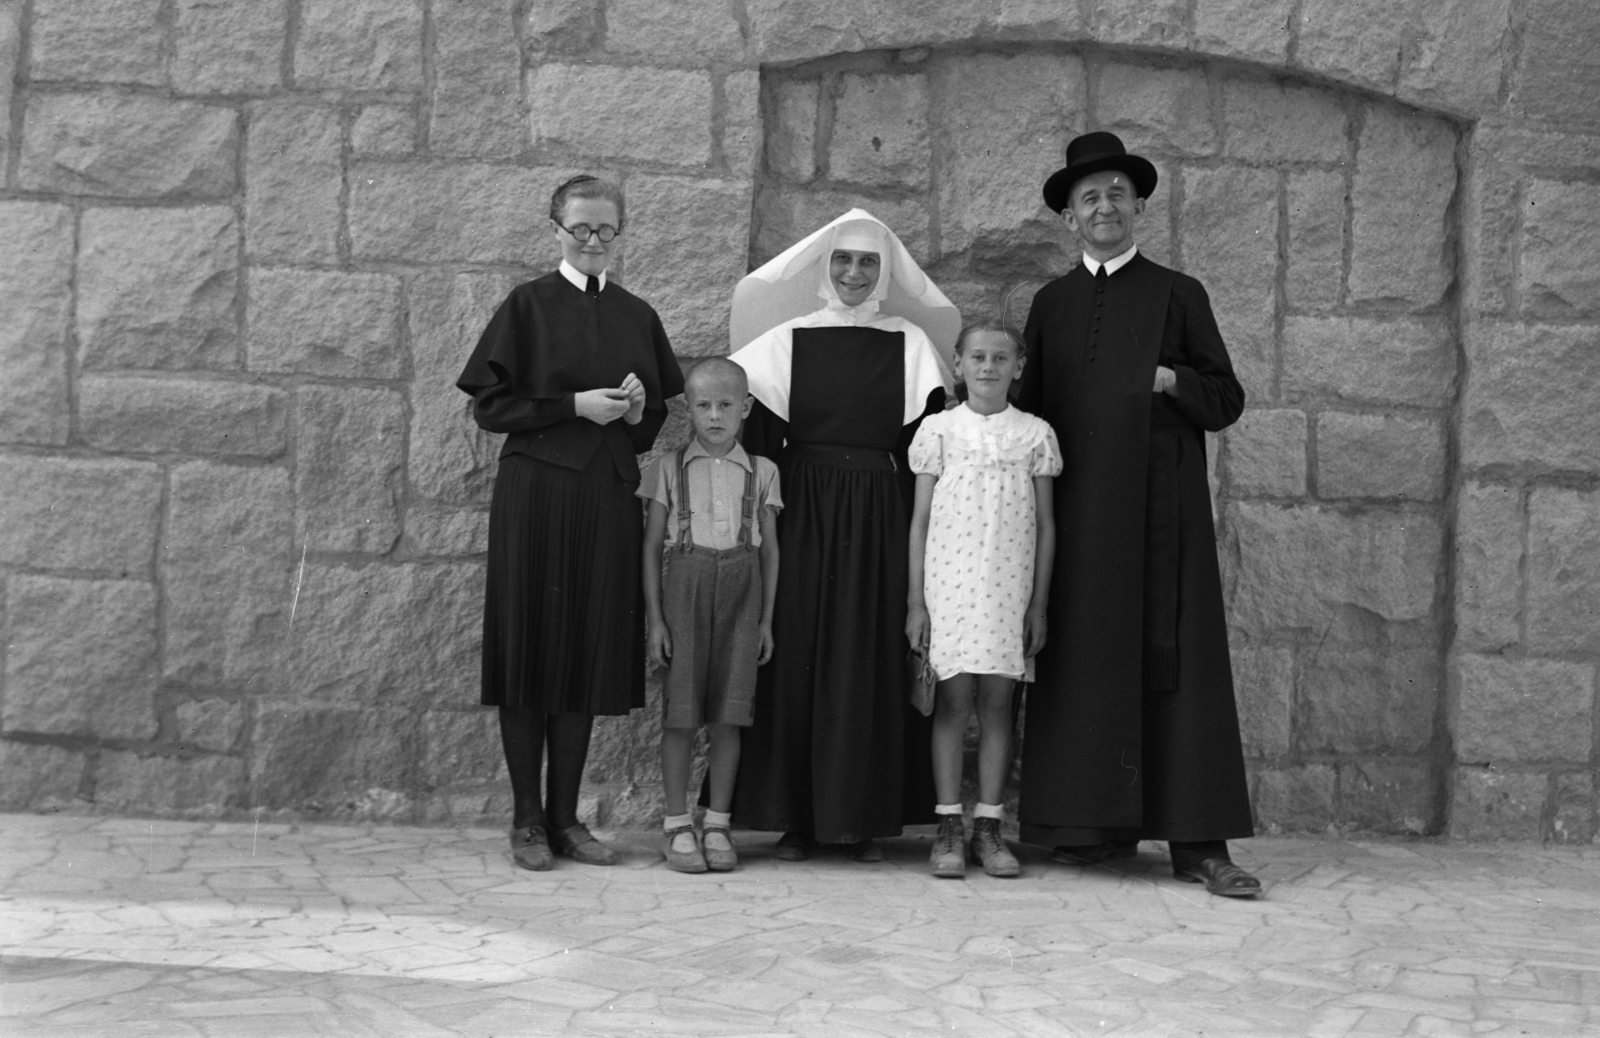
715	369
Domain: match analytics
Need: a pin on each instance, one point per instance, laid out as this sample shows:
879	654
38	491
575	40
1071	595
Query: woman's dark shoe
865	851
691	860
948	859
989	849
578	843
530	849
794	846
718	857
1221	877
1095	853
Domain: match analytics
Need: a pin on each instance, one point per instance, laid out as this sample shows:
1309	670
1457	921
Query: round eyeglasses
582	231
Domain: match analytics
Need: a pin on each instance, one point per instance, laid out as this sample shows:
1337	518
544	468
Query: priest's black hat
1094	153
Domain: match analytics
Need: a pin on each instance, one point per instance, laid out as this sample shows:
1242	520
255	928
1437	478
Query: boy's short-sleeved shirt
716	494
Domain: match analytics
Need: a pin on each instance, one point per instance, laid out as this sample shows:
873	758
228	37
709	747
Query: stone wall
242	509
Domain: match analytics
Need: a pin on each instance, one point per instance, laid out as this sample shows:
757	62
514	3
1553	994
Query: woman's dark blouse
549	341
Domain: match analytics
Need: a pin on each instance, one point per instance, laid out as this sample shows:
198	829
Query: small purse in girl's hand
923	681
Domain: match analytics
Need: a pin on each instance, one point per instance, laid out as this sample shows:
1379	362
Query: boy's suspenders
747	507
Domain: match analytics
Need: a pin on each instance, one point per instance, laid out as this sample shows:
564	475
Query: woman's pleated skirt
563	616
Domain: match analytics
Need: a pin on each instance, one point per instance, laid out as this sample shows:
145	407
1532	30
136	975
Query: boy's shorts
712	605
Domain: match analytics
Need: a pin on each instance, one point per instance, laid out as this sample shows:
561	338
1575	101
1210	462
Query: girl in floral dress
982	545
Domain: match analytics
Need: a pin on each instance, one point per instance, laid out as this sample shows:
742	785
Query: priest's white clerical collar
1112	265
580	280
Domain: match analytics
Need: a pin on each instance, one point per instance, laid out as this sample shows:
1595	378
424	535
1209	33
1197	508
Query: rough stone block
789	215
477	90
741	122
1357	43
156	288
293	177
128	145
359	45
691	29
1300	566
560	26
1163	23
1296	799
320	758
348	476
317	322
1314	279
684	252
1388	456
53	685
1367	361
60	513
97	41
1379	696
1560	274
388	130
1396	799
34	313
1153	231
453	213
461	747
1489	804
782	31
204	786
226	565
1559	74
447	533
1230	242
1265	454
39	776
880	132
451	459
658	115
1490	213
10	52
1404	180
792	139
228	46
1563	570
1254	30
1004	122
1271	121
1533	398
210	724
1489	541
1263	685
1521	711
1155	110
1574	820
1455	55
150	416
403	636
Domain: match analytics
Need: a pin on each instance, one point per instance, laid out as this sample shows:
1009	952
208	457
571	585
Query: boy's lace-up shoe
989	849
529	848
948	859
579	844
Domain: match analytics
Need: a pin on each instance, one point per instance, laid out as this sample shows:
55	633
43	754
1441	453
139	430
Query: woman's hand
659	644
1034	631
601	406
1166	381
635	390
917	629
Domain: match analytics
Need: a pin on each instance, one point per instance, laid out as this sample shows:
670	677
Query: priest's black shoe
1221	876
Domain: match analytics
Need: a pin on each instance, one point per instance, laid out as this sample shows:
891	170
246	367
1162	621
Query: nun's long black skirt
563	617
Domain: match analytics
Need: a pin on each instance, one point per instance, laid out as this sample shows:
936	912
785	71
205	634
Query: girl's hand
917	628
1034	632
601	406
765	652
658	644
635	390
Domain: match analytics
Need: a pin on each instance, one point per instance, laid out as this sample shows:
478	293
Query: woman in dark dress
840	391
577	372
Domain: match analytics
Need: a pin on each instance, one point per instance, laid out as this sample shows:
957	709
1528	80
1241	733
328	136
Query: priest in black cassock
1131	732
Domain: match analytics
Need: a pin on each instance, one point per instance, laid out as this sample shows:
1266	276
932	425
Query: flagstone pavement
122	927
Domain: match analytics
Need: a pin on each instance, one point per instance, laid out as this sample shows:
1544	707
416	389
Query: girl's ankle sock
671	822
721	819
989	811
946	809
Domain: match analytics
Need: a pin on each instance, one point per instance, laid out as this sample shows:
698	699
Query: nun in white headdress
844	339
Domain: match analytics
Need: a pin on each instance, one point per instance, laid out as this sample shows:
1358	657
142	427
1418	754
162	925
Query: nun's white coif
784	292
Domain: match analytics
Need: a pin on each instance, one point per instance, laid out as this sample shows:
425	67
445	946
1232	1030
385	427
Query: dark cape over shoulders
549	341
1131	728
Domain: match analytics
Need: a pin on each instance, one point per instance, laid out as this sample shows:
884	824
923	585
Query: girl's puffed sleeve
1046	459
926	454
